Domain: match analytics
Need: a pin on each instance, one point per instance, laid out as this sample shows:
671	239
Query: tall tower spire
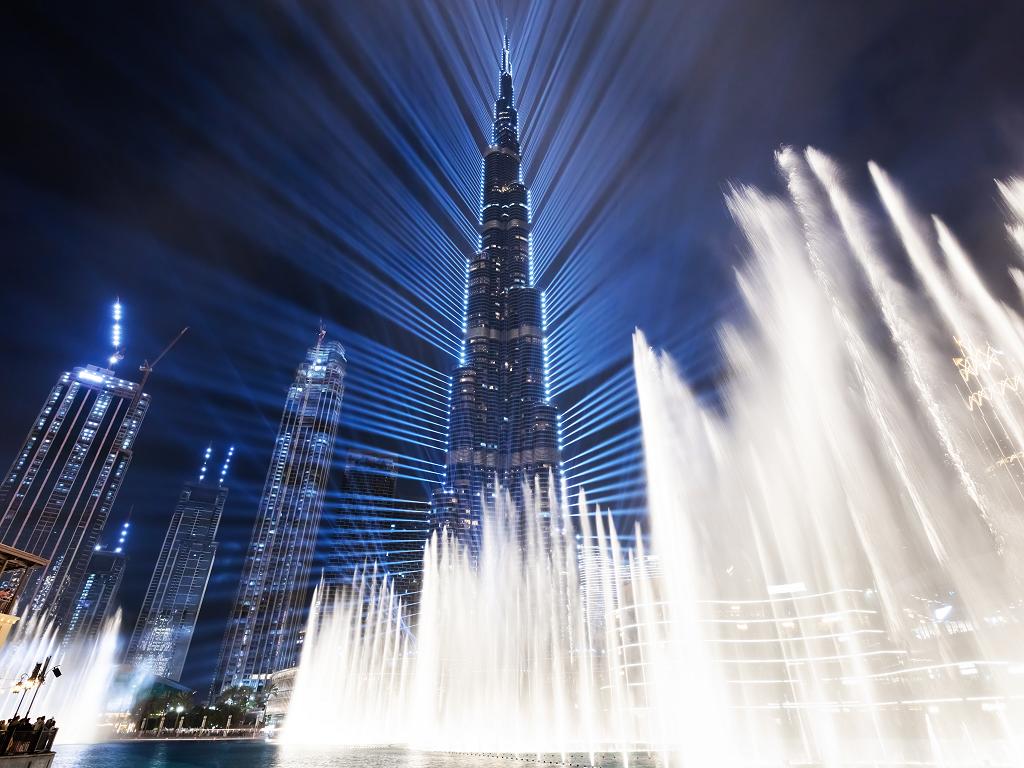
505	101
506	64
502	426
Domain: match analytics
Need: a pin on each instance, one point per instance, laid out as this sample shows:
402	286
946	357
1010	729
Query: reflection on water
253	754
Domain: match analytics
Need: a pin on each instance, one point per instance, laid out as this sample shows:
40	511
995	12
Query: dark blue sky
249	168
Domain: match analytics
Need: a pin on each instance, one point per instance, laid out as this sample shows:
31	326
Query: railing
191	733
25	741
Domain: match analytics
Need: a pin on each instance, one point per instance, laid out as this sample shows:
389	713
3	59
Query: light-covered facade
58	493
503	426
264	629
170	609
97	602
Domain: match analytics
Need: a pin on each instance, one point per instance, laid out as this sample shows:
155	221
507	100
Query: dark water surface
258	754
252	754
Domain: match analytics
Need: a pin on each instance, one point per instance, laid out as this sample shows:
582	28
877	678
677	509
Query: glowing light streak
372	426
398	307
631	471
629	434
600	494
410	462
927	668
419	426
385	364
422	411
603	390
589	431
624	449
625	464
623	391
605	414
429	404
832	615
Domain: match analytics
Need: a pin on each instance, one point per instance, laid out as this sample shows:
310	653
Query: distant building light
942	612
787	589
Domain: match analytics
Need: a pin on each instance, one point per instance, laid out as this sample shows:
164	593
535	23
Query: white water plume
1012	191
77	699
516	650
856	501
834	572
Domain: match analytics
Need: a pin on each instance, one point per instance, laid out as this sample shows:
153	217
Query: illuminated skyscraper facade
264	629
163	631
503	426
56	497
97	602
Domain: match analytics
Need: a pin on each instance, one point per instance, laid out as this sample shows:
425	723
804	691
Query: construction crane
147	367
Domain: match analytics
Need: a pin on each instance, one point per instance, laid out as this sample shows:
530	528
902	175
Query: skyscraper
370	525
55	498
97	601
503	425
264	628
163	631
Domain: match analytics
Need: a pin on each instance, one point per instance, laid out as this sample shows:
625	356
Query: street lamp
22	686
33	683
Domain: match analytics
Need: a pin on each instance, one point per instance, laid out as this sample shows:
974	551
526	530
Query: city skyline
257	226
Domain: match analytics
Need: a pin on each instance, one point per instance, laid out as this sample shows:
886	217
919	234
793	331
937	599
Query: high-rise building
163	631
503	427
371	526
264	629
55	498
97	600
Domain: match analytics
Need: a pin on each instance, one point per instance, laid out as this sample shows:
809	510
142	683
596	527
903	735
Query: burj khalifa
503	428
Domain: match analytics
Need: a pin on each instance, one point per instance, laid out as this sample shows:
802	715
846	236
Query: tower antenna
206	460
226	465
115	334
506	64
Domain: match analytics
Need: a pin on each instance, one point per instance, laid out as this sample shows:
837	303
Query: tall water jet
509	653
1012	191
78	698
858	547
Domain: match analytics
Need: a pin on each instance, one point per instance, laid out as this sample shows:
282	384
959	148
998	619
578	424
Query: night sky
248	169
